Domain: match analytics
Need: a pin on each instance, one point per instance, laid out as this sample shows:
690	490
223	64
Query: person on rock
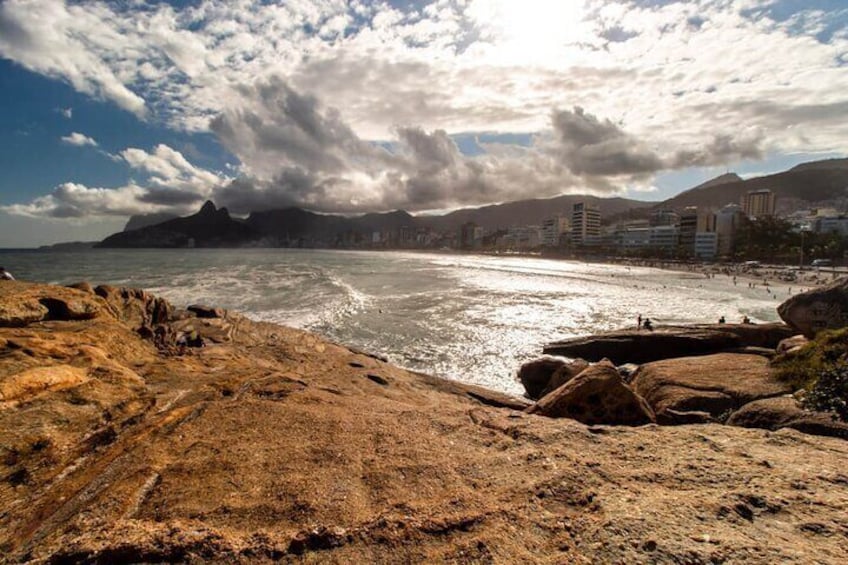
5	275
648	325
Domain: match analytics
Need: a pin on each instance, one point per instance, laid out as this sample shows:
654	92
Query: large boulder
715	384
666	342
818	309
785	412
543	375
598	395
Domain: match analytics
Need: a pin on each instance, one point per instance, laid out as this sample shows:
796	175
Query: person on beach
639	322
746	320
721	320
648	325
6	275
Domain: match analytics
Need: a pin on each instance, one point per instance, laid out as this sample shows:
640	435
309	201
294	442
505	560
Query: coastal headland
122	439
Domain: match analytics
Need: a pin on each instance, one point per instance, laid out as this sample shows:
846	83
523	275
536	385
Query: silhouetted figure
746	320
721	320
639	322
648	325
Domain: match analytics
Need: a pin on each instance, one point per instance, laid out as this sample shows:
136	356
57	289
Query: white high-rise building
585	223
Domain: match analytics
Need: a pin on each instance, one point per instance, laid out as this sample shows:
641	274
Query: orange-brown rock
275	445
541	376
665	342
598	395
817	309
714	384
785	412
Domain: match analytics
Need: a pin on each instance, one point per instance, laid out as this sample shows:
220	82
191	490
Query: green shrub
821	369
830	392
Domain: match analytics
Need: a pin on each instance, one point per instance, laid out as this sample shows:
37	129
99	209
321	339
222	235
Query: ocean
472	318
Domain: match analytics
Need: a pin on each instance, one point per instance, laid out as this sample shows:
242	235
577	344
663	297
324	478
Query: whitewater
473	318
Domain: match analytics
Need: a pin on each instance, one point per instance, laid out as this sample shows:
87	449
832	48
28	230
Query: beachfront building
553	229
758	203
664	217
470	235
688	227
664	237
727	222
585	224
520	238
832	224
706	245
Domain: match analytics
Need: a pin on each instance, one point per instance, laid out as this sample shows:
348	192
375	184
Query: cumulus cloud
78	139
665	85
169	182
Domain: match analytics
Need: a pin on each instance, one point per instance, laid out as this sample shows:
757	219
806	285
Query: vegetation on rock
821	369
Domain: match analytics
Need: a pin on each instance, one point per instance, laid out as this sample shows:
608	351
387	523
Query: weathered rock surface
785	412
821	308
135	307
665	342
714	384
541	376
598	395
278	446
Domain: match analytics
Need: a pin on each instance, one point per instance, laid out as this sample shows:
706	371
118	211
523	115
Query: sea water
473	318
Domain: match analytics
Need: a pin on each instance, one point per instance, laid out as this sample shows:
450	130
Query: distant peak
208	208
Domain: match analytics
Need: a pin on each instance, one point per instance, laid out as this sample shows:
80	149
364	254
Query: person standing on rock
6	275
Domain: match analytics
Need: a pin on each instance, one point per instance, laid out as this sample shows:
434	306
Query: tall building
758	203
727	222
552	230
585	223
688	227
470	235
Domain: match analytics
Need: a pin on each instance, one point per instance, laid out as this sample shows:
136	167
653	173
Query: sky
109	109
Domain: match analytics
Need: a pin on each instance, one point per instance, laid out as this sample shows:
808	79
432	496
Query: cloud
168	182
309	95
67	112
81	44
594	147
79	139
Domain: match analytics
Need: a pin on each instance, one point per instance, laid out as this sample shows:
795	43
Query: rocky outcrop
643	346
598	395
820	308
135	307
541	376
36	304
276	445
715	384
785	412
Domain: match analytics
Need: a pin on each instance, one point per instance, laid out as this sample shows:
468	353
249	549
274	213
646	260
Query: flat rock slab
712	383
785	412
666	342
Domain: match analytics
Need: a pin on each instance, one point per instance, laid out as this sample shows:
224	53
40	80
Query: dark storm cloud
720	150
170	197
590	146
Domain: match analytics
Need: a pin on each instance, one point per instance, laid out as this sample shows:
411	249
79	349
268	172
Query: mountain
210	227
816	184
529	212
139	221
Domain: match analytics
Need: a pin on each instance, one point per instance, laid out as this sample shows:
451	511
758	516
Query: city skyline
114	109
